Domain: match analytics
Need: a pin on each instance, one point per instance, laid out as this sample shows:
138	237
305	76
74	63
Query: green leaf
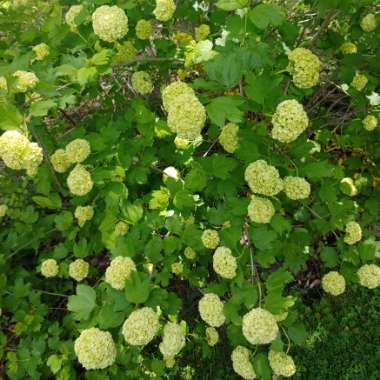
53	201
64	220
222	166
329	257
137	287
85	75
134	212
261	366
54	362
262	237
231	5
278	279
83	302
264	15
11	117
183	199
42	107
225	108
297	333
159	199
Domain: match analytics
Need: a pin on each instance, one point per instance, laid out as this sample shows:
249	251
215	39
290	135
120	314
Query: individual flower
202	32
121	228
241	363
289	121
118	271
347	186
171	92
142	82
77	150
25	80
370	122
348	48
177	268
3	84
260	210
210	238
198	52
125	52
224	263
78	269
333	283
173	340
186	117
369	276
263	178
304	67
3	210
353	233
41	51
83	214
229	137
359	82
49	268
71	14
281	363
110	23
164	10
259	326
141	326
60	161
369	23
296	188
211	310
95	349
144	29
79	181
212	336
190	253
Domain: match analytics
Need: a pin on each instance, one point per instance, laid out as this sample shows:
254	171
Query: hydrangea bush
178	177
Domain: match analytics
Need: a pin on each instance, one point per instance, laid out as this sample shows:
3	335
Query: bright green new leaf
137	287
83	302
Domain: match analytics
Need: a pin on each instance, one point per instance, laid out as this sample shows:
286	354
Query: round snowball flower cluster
142	82
281	363
3	210
144	29
229	138
25	80
348	48
370	122
60	161
125	52
173	340
77	150
211	310
224	263
171	92
164	10
110	23
369	276
95	349
260	210
177	268
359	82
369	23
49	268
121	228
353	233
71	14
305	67
19	153
212	336
263	178
83	214
141	326
190	253
202	32
241	363
333	283
289	121
118	271
296	188
41	51
79	181
210	238
347	186
78	269
259	326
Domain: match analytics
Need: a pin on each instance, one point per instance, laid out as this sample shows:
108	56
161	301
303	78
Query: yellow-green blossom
212	336
173	340
229	137
190	253
353	233
210	238
211	310
144	29
202	32
3	84
71	14
177	268
296	188
198	52
348	48
369	23
333	283
281	363
125	52
41	51
25	80
49	268
359	82
77	150
142	82
79	181
78	269
3	210
241	363
121	228
60	161
347	186
83	214
369	276
260	210
164	10
224	263
171	92
118	271
370	122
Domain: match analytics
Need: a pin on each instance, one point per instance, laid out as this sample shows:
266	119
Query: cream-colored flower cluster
60	161
296	188
3	84
289	121
212	336
41	51
71	14
144	29
177	268
142	82
263	178
229	137
49	268
348	48
259	326
78	269
348	186
210	238
141	326
359	82
224	263
260	210
19	153
164	10
186	114
211	310
25	80
369	23
198	52
118	271
241	363
79	181
110	23
121	228
333	283
95	349
83	214
304	67
190	253
370	122
353	233
3	210
369	276
202	32
281	363
173	340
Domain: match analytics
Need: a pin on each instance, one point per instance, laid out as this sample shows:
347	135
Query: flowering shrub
177	177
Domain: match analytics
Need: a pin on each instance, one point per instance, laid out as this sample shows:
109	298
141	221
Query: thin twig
150	60
324	26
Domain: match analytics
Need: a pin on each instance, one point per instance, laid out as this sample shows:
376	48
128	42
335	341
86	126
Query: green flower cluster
78	269
212	336
296	188
281	363
369	276
71	14
144	29
353	233
359	82
333	283
142	82
41	51
118	271
348	48
260	210
241	363
370	123
369	23
25	80
229	138
210	238
164	10
79	181
211	310
49	268
173	340
83	214
224	263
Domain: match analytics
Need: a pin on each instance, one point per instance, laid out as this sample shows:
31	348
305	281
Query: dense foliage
181	177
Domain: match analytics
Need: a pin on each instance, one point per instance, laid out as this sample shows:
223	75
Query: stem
149	59
287	338
52	293
324	25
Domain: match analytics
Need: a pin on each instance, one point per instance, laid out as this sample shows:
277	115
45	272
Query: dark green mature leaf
137	287
64	220
83	302
262	237
11	117
329	257
262	367
225	108
264	15
42	107
297	333
278	279
231	5
53	201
